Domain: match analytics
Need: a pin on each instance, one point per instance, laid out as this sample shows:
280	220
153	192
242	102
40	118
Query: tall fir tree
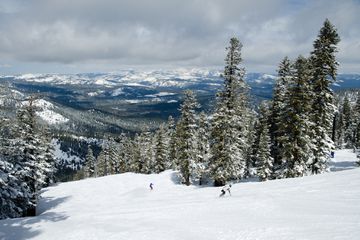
263	158
135	161
114	156
297	147
280	99
324	66
90	167
32	155
347	123
102	162
124	152
227	139
147	152
171	143
187	137
160	150
203	148
357	123
251	136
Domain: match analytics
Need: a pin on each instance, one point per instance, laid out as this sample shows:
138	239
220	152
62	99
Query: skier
151	186
225	189
228	189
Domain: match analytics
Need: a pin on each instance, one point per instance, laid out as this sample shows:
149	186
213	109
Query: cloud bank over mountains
86	35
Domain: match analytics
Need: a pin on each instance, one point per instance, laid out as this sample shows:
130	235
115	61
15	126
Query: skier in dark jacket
225	189
151	186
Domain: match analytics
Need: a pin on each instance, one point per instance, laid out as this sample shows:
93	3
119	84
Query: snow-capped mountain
179	78
168	78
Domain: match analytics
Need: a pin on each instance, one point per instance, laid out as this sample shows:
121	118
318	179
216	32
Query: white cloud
109	34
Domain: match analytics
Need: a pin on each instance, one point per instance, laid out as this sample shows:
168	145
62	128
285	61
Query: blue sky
70	36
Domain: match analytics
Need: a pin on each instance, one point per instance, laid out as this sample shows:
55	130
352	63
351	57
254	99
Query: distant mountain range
128	99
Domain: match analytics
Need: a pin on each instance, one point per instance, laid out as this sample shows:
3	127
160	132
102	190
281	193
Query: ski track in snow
122	207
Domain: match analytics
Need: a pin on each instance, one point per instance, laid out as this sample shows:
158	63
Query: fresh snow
121	206
47	114
45	110
343	159
52	117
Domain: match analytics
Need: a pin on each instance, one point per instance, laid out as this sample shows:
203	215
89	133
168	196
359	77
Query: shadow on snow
21	228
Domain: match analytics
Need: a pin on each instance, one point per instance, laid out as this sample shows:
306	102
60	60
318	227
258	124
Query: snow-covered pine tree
203	149
324	66
103	163
135	163
248	150
187	137
174	147
160	149
280	95
114	158
339	129
28	156
347	123
261	121
14	195
147	152
171	143
124	152
357	122
90	167
47	158
264	160
297	146
227	139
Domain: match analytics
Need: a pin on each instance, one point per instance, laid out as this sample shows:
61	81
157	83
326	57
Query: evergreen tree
280	95
251	136
47	159
357	122
324	68
29	160
262	154
171	143
187	137
297	144
160	150
135	160
123	153
347	123
203	148
14	195
103	163
90	167
339	129
147	152
114	157
228	160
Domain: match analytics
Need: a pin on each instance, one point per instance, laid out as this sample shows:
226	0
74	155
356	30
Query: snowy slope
344	159
122	207
45	110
